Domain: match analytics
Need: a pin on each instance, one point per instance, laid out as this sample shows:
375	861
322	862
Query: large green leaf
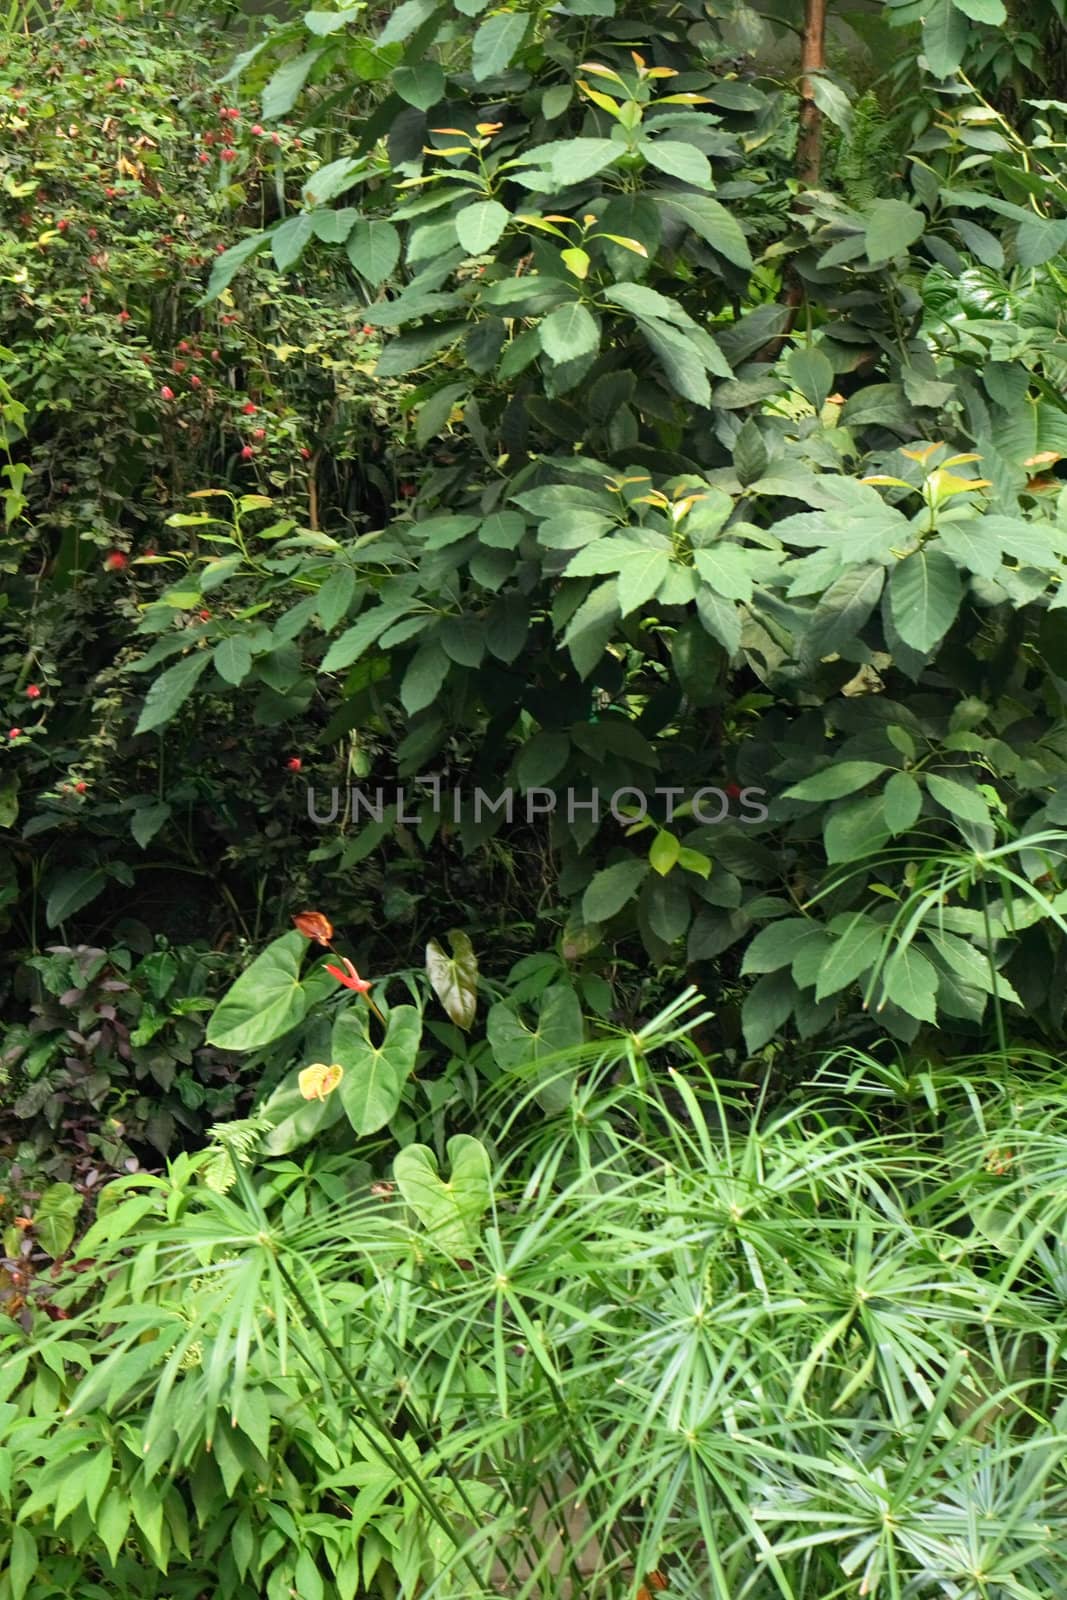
454	978
424	678
267	1000
858	940
283	88
233	658
71	891
295	1121
54	1218
612	889
856	830
374	1075
569	332
480	225
775	946
767	1008
925	590
714	224
993	12
226	266
449	1211
891	227
170	691
495	43
22	1560
421	85
835	782
290	238
682	366
683	161
903	801
812	373
909	980
374	249
946	32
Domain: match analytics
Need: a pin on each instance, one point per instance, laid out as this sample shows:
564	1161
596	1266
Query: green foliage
662	1333
584	590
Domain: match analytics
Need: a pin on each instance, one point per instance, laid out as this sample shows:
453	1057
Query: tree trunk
809	151
812	59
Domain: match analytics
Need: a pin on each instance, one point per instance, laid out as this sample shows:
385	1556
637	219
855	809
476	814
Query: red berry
124	316
407	490
80	788
247	453
256	129
275	138
215	355
116	561
259	433
110	193
14	733
367	328
63	224
294	763
179	367
166	393
86	300
183	345
227	155
194	381
32	692
92	233
249	409
203	158
205	616
305	452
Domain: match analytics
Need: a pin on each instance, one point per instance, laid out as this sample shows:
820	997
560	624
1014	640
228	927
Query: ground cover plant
574	494
665	1339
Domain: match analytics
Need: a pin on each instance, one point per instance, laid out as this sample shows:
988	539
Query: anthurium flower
313	925
318	1080
349	977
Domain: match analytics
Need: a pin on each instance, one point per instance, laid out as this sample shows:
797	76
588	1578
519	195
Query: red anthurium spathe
313	925
349	977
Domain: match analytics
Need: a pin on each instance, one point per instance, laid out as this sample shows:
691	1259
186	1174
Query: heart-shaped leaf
374	1075
449	1211
454	978
265	1002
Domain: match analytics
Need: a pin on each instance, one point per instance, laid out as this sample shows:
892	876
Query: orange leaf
313	925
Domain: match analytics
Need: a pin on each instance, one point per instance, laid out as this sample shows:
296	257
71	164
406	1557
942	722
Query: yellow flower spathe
317	1081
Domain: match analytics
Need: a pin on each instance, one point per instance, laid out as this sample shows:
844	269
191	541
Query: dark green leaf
266	1001
454	978
170	691
925	590
374	249
569	332
891	227
496	41
611	889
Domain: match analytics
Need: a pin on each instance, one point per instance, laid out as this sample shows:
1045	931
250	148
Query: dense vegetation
573	495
